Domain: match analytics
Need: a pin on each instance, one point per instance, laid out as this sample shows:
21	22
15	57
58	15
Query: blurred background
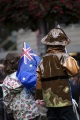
30	20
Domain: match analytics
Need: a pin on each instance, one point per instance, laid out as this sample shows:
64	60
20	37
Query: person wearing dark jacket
75	86
53	74
2	76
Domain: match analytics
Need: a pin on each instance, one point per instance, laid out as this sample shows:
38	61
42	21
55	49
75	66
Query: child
54	71
17	99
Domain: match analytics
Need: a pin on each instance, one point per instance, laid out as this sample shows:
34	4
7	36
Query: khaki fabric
53	75
71	66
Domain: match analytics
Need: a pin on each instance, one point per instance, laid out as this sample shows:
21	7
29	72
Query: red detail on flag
25	52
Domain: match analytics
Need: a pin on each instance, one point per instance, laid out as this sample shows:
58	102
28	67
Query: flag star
23	78
30	65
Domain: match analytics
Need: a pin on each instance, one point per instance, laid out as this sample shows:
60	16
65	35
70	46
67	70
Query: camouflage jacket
53	75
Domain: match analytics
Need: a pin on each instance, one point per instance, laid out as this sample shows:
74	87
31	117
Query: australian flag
28	63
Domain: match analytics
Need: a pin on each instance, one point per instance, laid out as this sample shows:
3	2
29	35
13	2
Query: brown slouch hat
56	36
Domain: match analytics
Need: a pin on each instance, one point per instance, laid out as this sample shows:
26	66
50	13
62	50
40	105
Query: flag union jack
27	53
28	63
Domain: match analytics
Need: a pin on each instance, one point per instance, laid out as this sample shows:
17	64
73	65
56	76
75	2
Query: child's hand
40	102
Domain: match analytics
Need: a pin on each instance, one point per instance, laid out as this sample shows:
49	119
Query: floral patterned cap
56	36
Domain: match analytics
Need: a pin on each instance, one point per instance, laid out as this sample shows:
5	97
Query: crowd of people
57	84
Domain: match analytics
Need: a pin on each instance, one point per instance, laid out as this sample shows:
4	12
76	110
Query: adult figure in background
2	76
75	85
17	99
54	71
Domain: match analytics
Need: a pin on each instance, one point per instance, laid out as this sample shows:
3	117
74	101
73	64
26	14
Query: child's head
11	62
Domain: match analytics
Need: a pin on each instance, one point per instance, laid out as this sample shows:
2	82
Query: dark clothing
9	116
61	113
76	94
40	118
1	110
75	91
1	104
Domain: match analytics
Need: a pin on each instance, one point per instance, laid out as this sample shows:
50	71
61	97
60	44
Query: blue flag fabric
28	63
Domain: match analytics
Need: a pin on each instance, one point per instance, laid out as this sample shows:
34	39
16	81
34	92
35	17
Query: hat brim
64	42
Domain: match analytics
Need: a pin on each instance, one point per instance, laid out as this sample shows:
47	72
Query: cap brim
65	42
